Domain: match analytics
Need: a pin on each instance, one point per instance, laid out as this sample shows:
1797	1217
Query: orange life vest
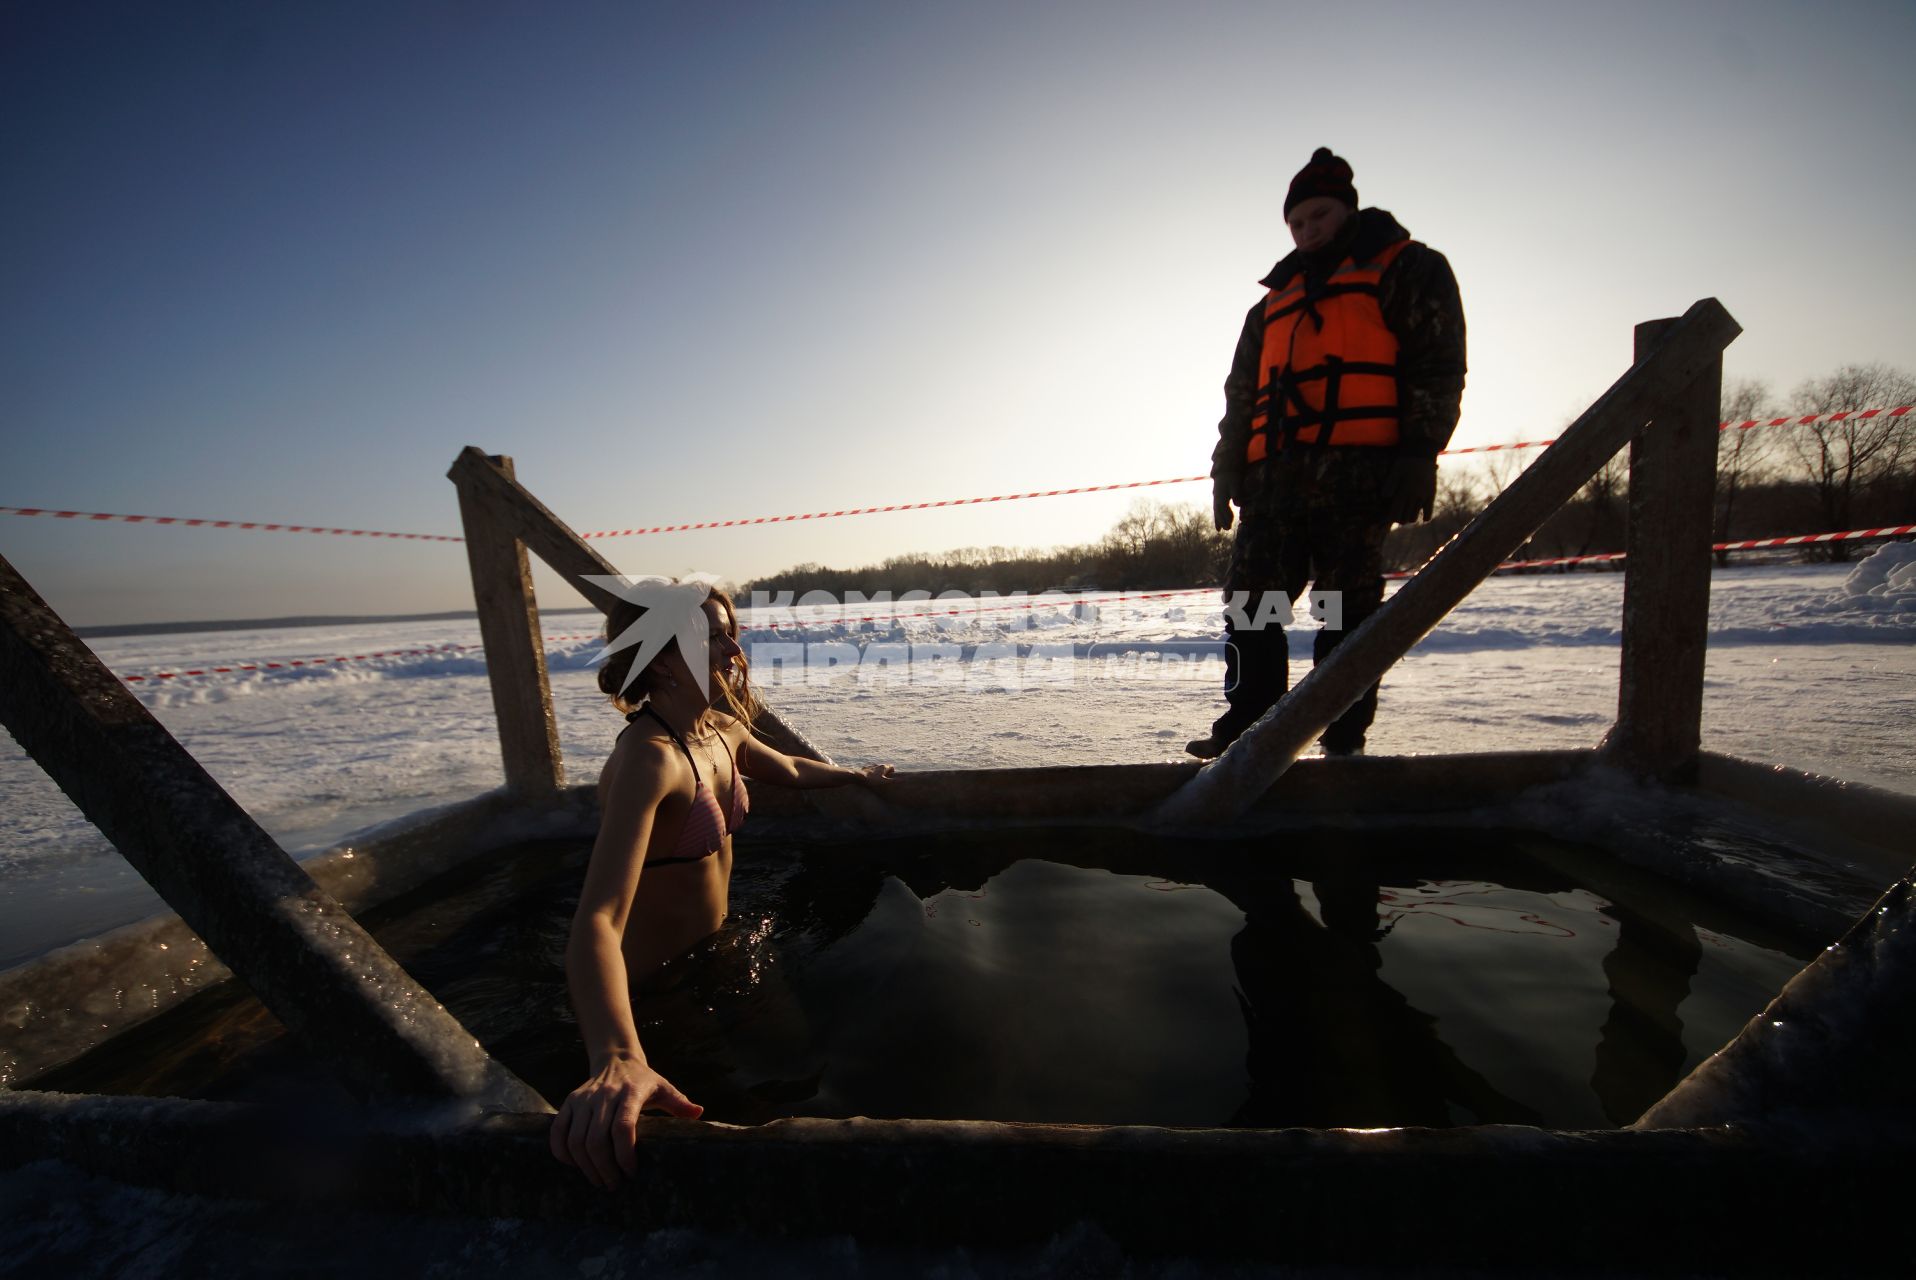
1329	362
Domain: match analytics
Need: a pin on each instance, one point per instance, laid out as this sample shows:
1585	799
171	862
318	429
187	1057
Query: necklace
690	739
711	758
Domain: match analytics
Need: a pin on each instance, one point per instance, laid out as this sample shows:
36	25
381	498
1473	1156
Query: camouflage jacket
1418	295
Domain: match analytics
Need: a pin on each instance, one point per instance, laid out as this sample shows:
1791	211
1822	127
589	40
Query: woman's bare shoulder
639	756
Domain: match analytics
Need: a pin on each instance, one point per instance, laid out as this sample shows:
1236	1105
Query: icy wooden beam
1475	1200
306	958
1233	782
515	647
488	490
1666	579
1835	1052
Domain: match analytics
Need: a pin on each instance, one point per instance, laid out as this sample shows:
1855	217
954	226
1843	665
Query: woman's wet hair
732	693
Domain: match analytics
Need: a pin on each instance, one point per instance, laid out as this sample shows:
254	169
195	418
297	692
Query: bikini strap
677	741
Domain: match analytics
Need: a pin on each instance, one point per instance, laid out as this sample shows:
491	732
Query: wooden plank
515	647
1464	1201
1232	783
497	494
1666	583
1833	1052
305	957
1873	823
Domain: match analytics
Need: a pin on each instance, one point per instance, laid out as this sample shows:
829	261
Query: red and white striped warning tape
292	663
1750	544
1813	419
1808	420
1816	419
1499	448
196	522
1803	539
891	506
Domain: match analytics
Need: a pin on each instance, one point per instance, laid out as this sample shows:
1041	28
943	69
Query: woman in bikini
671	796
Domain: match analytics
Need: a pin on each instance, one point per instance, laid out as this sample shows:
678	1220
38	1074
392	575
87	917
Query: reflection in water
1640	1052
1332	1044
985	975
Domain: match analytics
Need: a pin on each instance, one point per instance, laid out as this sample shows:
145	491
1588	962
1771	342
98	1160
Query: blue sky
689	262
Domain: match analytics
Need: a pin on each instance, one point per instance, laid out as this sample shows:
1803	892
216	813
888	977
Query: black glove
1410	491
1223	489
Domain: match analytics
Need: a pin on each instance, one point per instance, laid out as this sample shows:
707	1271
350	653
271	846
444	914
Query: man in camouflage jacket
1317	482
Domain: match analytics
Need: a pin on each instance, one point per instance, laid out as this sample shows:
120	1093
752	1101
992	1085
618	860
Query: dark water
1086	975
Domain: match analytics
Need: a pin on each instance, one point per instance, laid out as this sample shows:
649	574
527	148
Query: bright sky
689	262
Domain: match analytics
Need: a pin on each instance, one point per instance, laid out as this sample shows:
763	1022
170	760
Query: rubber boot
1345	737
1256	674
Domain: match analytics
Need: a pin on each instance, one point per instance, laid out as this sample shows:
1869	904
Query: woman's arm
597	1126
761	763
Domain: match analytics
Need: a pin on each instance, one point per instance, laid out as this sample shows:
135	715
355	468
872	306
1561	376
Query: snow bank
1882	583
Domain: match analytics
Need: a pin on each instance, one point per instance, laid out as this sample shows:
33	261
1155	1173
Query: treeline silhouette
1154	546
1771	482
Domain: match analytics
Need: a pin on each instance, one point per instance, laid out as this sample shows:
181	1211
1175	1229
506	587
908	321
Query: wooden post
306	958
491	492
1231	784
1666	582
515	647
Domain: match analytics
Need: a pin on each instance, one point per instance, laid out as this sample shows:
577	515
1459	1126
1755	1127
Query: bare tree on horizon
1740	455
1841	458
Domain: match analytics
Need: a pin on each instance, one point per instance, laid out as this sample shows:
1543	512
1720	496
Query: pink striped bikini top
706	825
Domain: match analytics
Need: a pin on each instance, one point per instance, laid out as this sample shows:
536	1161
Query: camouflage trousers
1312	517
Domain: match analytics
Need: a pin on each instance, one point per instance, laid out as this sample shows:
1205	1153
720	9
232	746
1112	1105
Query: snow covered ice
1809	666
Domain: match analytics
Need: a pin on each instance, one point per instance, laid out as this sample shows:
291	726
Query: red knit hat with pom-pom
1325	175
